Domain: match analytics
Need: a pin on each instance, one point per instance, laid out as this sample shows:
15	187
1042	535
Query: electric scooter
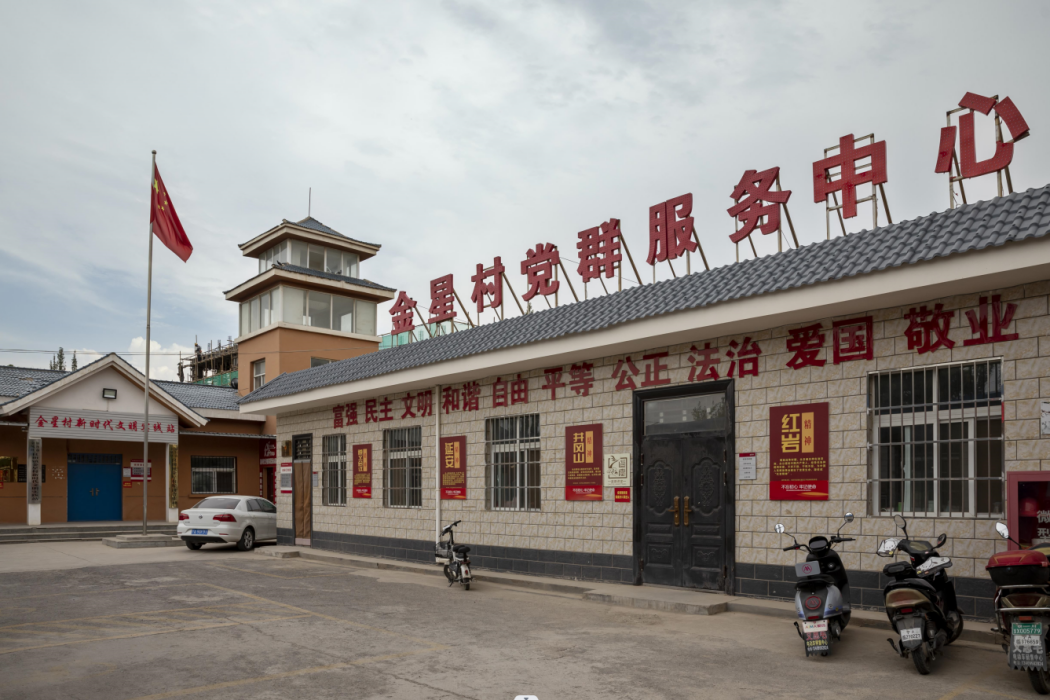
454	557
1022	607
822	591
920	598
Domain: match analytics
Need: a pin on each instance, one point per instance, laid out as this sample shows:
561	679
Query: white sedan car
241	519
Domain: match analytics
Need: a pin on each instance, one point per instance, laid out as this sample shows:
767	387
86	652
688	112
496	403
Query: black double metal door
684	488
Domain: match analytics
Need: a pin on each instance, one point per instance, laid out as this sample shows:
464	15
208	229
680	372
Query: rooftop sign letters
854	163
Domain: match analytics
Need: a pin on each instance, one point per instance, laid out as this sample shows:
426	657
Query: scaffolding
215	367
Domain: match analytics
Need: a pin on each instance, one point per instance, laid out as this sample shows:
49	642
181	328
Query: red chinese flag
165	221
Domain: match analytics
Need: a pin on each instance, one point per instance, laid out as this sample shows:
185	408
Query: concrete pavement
224	623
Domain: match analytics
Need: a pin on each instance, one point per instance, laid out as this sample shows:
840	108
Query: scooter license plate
913	634
1027	648
816	637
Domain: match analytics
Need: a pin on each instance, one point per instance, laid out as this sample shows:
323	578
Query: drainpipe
437	463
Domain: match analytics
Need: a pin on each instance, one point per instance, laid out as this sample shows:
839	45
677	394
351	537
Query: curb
751	606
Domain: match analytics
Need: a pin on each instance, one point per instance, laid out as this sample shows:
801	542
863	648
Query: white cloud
163	361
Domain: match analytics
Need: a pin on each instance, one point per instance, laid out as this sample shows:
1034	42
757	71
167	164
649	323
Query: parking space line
103	590
968	685
322	615
167	630
290	674
288	578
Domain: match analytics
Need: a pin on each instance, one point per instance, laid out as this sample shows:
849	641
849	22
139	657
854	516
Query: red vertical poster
454	468
798	452
362	471
583	462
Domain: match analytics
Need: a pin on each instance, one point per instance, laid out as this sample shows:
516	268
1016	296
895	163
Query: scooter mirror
1003	531
779	528
899	520
941	540
849	517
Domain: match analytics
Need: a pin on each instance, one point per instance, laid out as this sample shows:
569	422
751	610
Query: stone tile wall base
285	535
975	595
581	566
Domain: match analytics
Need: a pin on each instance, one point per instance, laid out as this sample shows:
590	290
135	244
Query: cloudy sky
449	132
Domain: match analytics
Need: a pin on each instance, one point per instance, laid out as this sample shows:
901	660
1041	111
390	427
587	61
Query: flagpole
145	411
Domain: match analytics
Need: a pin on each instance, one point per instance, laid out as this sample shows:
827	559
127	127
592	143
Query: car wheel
193	545
247	540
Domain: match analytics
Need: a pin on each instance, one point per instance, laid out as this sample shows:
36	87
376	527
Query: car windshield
219	503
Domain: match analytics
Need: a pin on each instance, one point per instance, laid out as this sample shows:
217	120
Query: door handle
686	511
675	510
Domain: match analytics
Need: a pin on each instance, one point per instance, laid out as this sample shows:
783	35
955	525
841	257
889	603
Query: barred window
213	475
333	463
512	463
403	468
937	440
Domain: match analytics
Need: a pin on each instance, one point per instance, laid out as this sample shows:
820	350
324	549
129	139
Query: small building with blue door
71	445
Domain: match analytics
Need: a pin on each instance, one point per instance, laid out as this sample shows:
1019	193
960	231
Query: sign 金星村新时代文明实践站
798	452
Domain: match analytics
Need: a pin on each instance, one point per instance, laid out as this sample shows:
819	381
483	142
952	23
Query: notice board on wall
798	452
583	462
362	471
454	468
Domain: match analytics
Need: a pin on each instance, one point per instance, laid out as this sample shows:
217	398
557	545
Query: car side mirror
779	529
1003	531
849	517
941	540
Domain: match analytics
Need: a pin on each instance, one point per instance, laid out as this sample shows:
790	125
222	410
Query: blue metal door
94	492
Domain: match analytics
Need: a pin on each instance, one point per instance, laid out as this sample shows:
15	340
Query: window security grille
302	448
333	462
512	463
403	472
937	440
210	475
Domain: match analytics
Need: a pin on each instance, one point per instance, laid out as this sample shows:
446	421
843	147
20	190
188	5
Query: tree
59	361
74	365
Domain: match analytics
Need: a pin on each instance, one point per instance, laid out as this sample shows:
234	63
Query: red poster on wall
622	495
583	462
362	471
798	452
454	468
267	453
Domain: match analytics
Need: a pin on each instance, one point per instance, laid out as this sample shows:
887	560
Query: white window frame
513	465
333	468
258	379
214	469
935	412
403	467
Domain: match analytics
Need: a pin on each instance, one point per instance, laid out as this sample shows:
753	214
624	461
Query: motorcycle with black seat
1022	607
920	598
454	557
822	591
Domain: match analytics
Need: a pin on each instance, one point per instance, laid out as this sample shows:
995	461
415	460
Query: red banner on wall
267	453
583	462
454	468
362	471
622	495
798	452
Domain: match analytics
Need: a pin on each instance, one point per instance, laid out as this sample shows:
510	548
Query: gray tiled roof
331	276
16	382
317	273
219	398
972	227
312	223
